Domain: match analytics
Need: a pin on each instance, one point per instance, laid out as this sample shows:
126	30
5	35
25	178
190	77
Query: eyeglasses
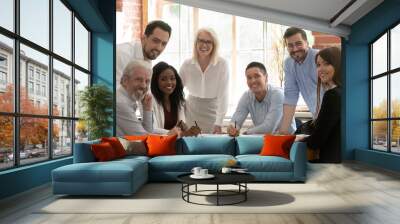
202	41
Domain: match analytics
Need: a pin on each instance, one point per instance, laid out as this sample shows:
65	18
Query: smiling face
325	71
297	47
167	82
256	80
137	83
155	43
204	44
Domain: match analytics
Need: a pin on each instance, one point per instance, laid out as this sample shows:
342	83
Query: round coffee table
238	179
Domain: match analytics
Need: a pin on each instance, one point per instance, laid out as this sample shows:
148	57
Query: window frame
388	74
16	114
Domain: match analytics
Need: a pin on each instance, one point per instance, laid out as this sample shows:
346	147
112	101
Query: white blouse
213	83
159	119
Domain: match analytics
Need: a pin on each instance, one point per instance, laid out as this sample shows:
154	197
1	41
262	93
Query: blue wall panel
24	178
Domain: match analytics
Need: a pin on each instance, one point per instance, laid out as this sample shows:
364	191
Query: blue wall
99	16
356	82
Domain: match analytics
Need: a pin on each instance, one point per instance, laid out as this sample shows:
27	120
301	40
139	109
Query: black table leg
217	194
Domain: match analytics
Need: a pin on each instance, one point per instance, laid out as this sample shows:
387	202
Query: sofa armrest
83	152
298	155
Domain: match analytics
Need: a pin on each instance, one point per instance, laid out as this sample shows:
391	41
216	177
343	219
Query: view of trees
380	128
34	131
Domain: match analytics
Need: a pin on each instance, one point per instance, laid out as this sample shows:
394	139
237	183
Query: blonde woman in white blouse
206	77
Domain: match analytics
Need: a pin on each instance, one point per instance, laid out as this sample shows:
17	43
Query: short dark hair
157	24
257	65
177	97
294	30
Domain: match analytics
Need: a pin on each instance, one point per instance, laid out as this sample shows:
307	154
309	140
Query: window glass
35	21
62	29
7	14
31	58
395	95
62	141
34	144
379	135
81	81
6	75
81	45
62	91
379	56
6	142
81	131
395	47
379	98
395	136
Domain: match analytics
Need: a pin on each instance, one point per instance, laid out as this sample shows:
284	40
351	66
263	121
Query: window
30	72
3	72
3	78
30	87
385	96
45	131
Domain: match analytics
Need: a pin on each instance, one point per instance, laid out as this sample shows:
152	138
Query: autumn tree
33	131
380	127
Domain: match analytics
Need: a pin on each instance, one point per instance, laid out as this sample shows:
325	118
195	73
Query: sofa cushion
257	163
103	152
206	145
277	145
160	145
134	147
185	163
116	145
249	144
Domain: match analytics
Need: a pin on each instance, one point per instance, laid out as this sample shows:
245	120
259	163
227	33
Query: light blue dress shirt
302	78
266	114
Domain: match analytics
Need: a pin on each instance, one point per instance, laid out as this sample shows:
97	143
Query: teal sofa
125	176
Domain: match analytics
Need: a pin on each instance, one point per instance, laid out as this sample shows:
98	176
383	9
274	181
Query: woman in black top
325	135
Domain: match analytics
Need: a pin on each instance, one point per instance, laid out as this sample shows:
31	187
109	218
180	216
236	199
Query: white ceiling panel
316	15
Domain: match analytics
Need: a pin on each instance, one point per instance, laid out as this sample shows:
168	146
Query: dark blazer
326	133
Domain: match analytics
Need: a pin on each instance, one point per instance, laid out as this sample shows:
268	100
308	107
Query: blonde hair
214	52
132	65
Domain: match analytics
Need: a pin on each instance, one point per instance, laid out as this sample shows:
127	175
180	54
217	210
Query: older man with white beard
134	87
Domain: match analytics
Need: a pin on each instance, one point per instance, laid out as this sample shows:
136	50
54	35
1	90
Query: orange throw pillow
136	137
159	145
277	145
103	152
116	145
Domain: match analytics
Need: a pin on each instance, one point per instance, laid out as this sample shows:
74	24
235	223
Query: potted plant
96	102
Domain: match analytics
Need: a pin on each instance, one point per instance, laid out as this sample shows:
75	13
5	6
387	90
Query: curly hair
177	97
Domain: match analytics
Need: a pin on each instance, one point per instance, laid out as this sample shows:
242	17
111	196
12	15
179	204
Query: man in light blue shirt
263	101
300	76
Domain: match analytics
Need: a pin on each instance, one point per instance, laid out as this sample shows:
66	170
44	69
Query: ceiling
325	16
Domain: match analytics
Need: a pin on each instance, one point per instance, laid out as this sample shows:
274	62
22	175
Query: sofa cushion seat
184	163
118	177
114	171
257	163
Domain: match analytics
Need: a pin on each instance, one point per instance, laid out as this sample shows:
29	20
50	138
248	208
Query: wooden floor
377	188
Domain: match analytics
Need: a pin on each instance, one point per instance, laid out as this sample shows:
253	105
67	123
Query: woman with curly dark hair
169	100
